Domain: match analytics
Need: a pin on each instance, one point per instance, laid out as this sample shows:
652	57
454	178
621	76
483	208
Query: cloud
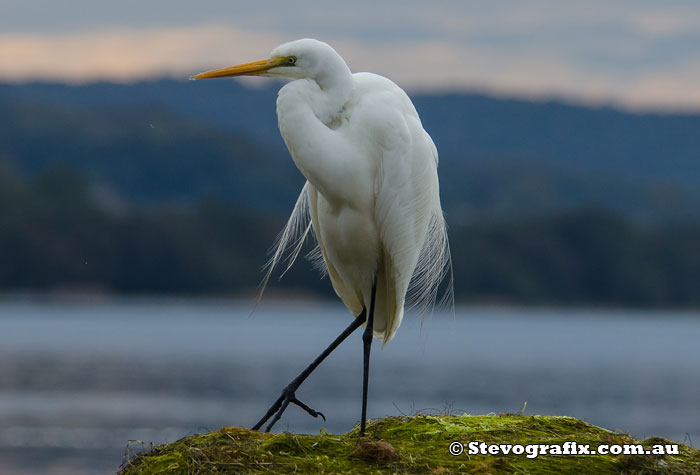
540	53
125	55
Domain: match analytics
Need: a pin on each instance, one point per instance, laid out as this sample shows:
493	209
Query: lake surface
79	380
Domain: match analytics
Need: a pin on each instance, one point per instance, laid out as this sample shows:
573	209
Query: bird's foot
288	393
289	396
310	411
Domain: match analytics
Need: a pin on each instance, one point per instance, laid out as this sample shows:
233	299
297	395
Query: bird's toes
309	410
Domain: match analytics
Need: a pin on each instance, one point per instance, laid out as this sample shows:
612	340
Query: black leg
367	345
288	394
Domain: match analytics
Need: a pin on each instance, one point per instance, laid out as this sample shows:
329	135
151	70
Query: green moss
409	445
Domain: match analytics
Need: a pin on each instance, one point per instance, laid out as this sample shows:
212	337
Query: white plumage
372	190
371	198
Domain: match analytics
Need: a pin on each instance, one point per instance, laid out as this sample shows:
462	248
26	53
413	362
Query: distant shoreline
285	298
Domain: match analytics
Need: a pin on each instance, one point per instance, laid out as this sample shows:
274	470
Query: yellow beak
247	69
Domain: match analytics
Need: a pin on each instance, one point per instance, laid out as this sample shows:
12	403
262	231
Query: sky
640	54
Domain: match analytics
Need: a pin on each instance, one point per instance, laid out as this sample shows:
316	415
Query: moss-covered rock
411	445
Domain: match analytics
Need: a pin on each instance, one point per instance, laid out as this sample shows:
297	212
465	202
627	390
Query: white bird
371	197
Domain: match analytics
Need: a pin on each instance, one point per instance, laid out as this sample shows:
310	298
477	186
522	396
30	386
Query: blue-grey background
83	378
136	209
635	53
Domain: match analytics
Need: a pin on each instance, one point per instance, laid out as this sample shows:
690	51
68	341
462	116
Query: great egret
371	196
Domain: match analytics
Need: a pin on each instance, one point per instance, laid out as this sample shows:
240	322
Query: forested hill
180	187
179	140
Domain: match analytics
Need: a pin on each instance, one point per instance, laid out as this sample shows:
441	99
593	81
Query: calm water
78	380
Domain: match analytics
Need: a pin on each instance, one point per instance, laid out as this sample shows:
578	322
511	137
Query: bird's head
305	58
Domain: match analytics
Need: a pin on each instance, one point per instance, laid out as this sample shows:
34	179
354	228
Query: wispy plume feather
291	239
434	264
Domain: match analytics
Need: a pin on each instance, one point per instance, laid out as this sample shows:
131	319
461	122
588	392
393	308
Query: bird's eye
291	60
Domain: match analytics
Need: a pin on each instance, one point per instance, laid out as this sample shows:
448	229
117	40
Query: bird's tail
434	264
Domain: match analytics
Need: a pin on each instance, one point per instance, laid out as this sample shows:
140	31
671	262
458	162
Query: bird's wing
320	260
408	213
396	228
434	262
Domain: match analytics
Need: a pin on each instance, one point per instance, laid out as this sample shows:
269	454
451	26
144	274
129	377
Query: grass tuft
409	445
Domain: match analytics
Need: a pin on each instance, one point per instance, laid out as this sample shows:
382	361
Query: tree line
57	232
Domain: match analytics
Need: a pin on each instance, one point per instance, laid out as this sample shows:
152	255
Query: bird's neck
335	88
325	91
307	111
